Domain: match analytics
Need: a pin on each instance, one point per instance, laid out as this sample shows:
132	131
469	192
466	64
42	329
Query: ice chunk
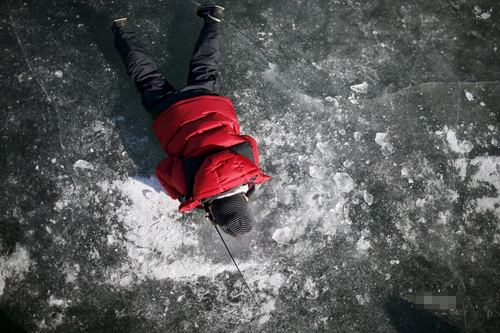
344	182
469	95
58	74
282	236
380	138
81	164
329	98
352	99
388	149
466	146
360	88
404	172
339	207
316	172
358	136
348	163
368	198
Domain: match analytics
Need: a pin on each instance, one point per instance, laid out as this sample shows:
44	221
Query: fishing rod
212	221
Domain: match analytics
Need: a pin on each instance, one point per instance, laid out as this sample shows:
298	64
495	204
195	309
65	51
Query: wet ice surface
378	122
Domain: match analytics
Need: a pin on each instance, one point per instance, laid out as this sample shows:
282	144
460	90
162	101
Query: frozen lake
378	121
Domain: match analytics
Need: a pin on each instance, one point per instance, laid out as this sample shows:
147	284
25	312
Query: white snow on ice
488	173
456	145
14	265
283	235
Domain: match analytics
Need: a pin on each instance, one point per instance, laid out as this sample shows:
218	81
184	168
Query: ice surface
379	189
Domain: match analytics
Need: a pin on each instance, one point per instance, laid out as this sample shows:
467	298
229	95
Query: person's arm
255	150
169	173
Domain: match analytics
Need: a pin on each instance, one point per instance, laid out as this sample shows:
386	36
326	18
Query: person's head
231	214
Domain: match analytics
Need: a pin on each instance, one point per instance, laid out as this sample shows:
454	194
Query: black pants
156	92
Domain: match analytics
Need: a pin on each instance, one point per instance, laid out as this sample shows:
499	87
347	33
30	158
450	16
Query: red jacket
203	126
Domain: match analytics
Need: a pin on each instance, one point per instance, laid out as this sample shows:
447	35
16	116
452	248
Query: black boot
210	13
118	23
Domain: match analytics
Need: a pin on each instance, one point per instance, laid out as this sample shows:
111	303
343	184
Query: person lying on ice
209	165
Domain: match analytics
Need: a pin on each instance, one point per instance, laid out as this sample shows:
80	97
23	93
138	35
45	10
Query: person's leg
204	65
150	82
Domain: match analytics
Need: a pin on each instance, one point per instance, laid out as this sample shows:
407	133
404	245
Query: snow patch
488	173
457	146
15	265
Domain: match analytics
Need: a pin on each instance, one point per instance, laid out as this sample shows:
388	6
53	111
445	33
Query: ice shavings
14	265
